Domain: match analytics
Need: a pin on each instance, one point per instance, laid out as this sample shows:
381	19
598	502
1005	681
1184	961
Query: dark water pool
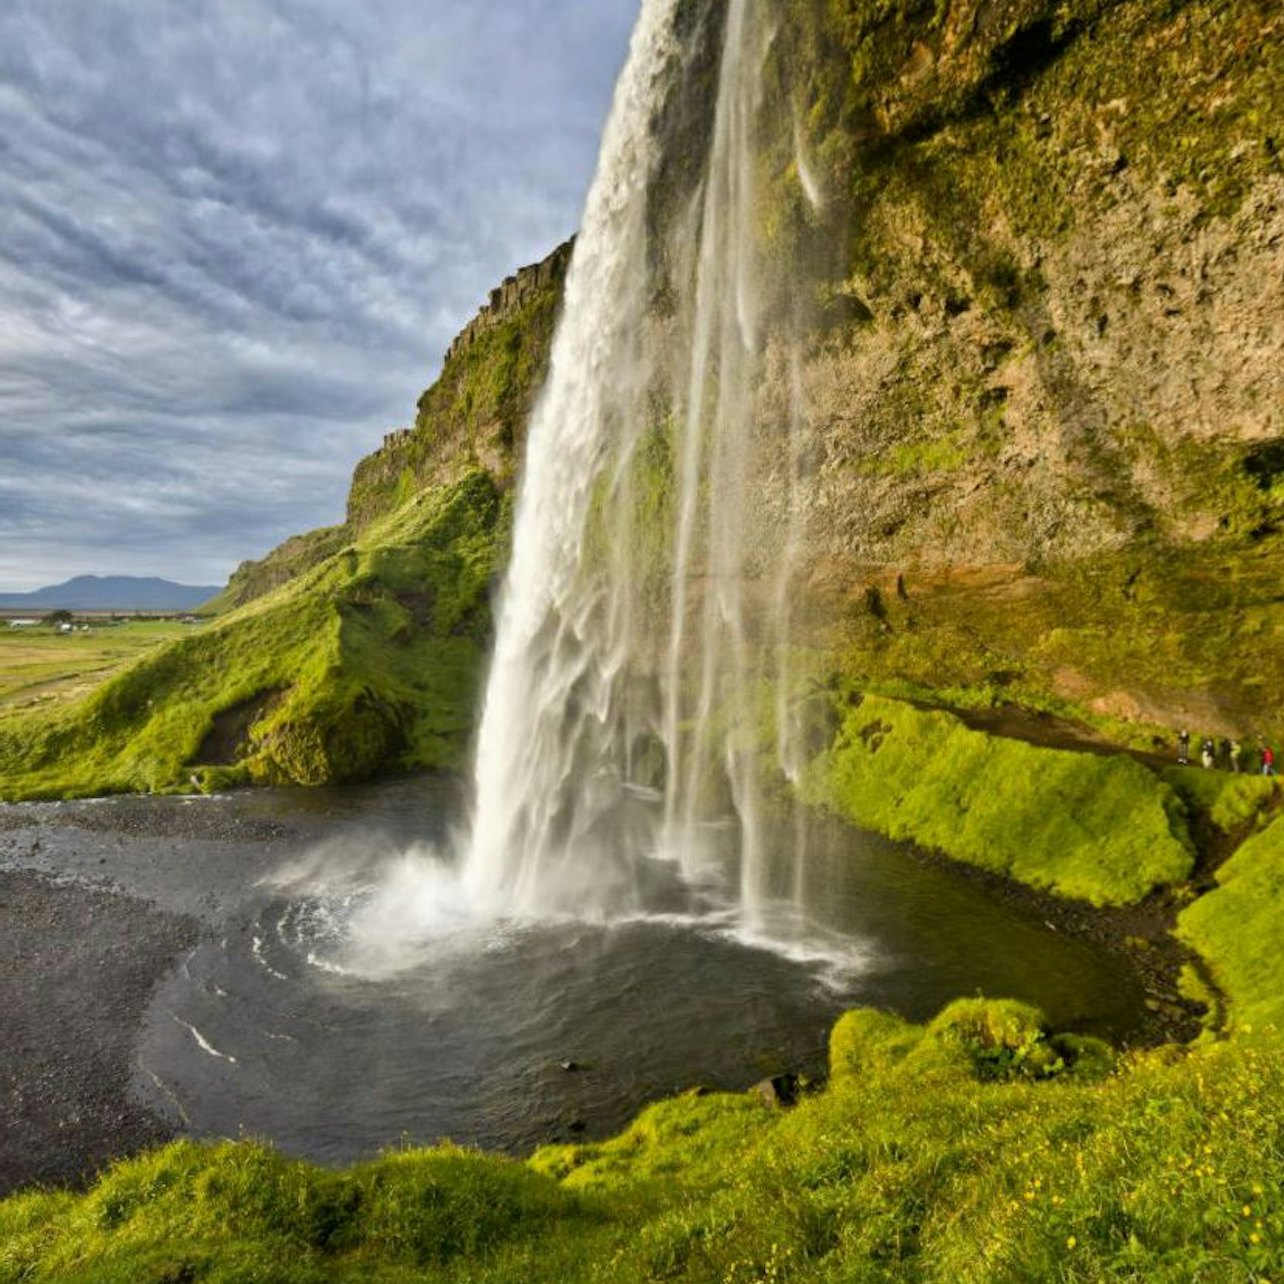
341	1000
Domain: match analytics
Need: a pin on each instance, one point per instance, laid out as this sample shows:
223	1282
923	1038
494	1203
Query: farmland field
39	666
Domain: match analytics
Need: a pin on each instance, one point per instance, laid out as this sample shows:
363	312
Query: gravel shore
77	966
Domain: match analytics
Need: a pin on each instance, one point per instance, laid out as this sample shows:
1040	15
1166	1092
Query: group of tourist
1226	754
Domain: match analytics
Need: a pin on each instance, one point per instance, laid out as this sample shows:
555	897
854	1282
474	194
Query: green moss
997	1039
683	1140
1101	829
370	661
473	415
1237	927
943	454
1121	641
299	554
867	1041
1230	801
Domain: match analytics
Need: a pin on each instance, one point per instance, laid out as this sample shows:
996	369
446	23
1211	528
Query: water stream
640	616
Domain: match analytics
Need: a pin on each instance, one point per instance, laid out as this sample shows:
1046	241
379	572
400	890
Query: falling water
632	643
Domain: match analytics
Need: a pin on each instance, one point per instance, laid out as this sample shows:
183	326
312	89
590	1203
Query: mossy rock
1237	928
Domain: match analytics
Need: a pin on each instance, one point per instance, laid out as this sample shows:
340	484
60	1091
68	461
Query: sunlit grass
1103	829
40	666
977	1148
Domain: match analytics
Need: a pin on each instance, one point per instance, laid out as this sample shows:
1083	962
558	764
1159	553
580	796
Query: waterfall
639	616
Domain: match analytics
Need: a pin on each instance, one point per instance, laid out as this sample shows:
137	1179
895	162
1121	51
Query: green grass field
40	667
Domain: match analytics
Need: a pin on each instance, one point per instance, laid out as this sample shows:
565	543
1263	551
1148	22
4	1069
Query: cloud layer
236	238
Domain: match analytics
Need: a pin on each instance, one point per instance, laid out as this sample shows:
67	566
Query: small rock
780	1090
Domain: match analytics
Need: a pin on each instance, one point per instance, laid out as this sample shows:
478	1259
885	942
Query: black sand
77	966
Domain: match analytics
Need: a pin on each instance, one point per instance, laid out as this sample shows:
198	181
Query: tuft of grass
1237	928
241	1211
1101	829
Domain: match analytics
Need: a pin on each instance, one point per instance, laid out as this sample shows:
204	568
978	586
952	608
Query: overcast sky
236	237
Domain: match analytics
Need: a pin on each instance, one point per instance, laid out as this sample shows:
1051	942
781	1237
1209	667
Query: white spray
626	653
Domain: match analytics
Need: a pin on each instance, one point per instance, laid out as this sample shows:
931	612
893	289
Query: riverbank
187	868
77	967
977	1146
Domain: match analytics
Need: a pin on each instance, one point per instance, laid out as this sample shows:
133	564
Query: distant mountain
111	593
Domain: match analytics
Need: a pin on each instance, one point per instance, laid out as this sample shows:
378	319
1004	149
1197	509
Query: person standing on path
1268	760
1183	748
1234	756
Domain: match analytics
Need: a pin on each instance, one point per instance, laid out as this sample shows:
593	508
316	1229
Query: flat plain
40	666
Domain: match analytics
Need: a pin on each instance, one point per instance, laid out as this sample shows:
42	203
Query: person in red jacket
1268	760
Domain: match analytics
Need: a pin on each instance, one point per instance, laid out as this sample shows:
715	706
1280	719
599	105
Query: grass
1237	928
1231	801
40	666
1102	829
978	1148
368	662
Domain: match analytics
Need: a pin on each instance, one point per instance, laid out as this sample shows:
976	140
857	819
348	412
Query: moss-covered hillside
369	661
473	416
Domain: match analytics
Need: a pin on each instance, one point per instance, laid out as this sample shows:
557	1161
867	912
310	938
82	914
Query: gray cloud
236	238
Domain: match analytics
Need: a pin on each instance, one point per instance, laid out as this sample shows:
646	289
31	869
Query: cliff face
1044	374
471	417
1069	285
474	415
1046	393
